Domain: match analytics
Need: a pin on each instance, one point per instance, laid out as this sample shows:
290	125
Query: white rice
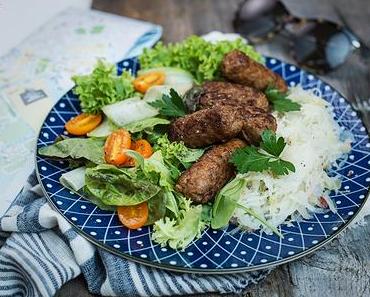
313	145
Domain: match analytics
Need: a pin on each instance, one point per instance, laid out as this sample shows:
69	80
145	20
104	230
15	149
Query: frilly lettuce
102	87
195	55
185	222
176	154
179	232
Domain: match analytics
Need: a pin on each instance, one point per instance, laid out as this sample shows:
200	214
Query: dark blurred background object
315	44
342	268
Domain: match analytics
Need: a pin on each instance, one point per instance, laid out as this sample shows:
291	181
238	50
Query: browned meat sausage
255	122
207	126
231	94
210	173
239	68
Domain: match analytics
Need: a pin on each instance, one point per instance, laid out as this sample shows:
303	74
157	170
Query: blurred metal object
315	44
357	42
358	89
358	81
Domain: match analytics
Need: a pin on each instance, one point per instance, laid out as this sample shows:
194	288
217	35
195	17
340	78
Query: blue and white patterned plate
217	251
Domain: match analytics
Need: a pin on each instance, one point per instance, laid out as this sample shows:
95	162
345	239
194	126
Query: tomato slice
83	124
143	147
143	82
115	145
134	216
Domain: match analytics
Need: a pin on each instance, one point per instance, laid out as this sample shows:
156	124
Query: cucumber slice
156	92
74	180
128	111
176	78
104	129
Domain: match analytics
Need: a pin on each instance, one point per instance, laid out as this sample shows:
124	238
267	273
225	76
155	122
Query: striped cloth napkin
40	251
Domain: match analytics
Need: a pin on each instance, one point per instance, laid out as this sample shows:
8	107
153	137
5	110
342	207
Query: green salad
120	153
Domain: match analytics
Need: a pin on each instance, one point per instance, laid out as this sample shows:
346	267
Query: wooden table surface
342	268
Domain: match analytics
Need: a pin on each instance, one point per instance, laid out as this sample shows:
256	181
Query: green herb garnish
267	157
170	105
280	101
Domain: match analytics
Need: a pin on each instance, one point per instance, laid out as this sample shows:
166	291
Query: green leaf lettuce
118	186
199	57
90	149
102	87
180	232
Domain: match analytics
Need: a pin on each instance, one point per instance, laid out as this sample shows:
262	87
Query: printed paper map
37	73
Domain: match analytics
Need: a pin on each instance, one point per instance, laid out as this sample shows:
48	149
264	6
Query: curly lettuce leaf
102	87
90	149
176	154
178	233
118	186
195	55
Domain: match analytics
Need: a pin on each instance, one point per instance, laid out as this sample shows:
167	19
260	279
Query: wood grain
340	269
178	18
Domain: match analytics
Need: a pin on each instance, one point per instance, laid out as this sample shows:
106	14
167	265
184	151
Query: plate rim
213	271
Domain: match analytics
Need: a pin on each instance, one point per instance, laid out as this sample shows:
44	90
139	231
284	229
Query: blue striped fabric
40	251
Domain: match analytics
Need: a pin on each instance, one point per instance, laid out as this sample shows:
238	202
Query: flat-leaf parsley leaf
267	157
280	101
170	105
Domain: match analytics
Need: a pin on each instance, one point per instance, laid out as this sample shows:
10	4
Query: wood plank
178	18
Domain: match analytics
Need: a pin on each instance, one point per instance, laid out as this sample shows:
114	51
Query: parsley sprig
267	157
280	101
170	105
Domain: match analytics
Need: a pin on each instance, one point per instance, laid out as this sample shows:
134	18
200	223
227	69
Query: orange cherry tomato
141	146
83	123
134	216
143	82
115	145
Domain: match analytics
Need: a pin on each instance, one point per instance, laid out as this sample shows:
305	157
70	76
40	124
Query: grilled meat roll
239	68
207	126
210	173
221	123
226	93
255	122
